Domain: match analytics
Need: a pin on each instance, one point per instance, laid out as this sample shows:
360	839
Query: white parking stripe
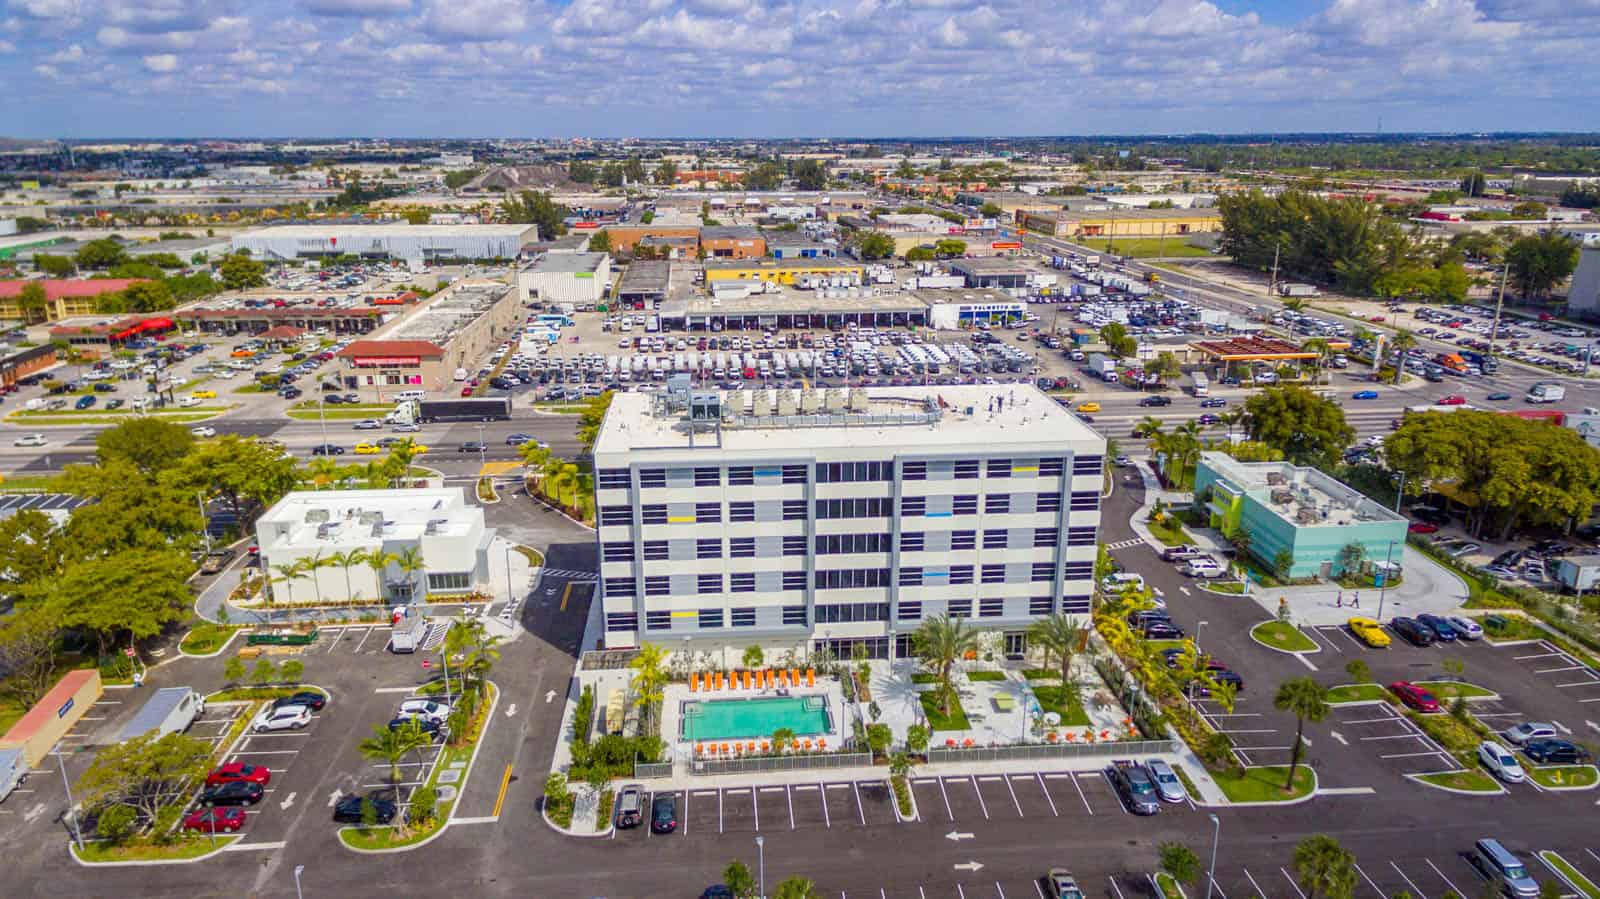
1557	670
1259	890
981	804
1292	883
1047	795
1447	880
1417	889
1081	796
364	638
1381	894
1541	655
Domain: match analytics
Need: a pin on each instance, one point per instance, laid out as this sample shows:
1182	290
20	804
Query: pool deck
677	694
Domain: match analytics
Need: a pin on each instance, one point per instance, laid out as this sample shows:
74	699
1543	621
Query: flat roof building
991	272
645	283
1583	299
780	271
396	241
577	278
451	330
790	308
826	520
64	297
1301	512
732	242
1116	222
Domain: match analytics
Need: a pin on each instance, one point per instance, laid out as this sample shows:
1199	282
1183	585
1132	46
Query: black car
291	393
1555	752
430	726
1134	787
1213	402
473	446
310	698
348	809
664	814
1443	630
1156	401
327	449
237	792
1139	618
519	439
334	399
1415	632
1161	630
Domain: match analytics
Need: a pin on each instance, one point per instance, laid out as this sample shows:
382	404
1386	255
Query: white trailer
408	634
13	771
171	710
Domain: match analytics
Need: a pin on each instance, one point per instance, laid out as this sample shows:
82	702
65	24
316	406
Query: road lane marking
1381	894
1305	661
1014	798
788	792
505	783
566	595
1081	796
1251	878
1047	795
979	793
1420	893
950	814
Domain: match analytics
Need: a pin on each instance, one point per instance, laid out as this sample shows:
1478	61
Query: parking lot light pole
1400	492
1197	628
1384	587
300	868
761	866
77	833
1211	872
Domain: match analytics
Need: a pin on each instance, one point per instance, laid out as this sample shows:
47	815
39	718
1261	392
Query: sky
778	68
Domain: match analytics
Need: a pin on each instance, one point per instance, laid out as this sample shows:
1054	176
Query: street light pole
1211	873
1197	637
761	866
1401	492
77	833
1384	587
300	868
1499	304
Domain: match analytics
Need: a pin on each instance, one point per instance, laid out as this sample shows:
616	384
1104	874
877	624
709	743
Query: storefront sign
388	362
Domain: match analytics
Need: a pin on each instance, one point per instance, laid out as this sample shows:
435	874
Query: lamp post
511	595
1384	587
1400	491
761	866
77	833
1211	873
298	869
1197	628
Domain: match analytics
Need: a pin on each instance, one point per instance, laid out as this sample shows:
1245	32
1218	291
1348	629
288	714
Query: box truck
171	710
13	771
1103	367
1546	392
408	634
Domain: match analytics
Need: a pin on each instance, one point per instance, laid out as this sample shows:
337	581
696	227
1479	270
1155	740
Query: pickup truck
216	560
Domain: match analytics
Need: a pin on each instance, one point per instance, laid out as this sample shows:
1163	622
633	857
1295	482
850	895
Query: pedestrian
1338	601
1355	600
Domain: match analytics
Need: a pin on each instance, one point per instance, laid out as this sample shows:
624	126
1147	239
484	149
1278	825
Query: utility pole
1272	285
1499	304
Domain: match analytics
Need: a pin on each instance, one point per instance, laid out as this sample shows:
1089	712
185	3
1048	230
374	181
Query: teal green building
1282	507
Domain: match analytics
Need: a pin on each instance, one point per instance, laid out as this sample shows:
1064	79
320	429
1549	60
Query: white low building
430	541
578	278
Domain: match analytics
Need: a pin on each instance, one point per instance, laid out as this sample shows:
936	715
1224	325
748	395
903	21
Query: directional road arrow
974	867
511	710
549	696
953	835
287	801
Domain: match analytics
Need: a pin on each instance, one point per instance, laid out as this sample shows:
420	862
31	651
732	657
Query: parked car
664	814
1466	628
1134	787
429	726
1413	696
308	698
1062	885
1441	627
237	771
1412	631
1369	632
630	807
1179	553
1422	527
238	792
287	718
1157	629
203	431
348	809
1167	782
215	820
424	708
1528	731
1555	752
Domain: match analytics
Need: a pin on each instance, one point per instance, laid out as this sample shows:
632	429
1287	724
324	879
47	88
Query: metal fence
947	755
643	770
762	764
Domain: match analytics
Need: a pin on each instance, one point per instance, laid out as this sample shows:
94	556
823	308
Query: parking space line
1413	885
1047	795
686	795
1038	889
822	794
755	807
1369	881
998	890
948	813
1576	683
1389	737
1540	655
1081	796
1292	883
1014	798
788	792
1453	887
719	811
1558	670
364	639
979	793
1249	877
856	789
1114	888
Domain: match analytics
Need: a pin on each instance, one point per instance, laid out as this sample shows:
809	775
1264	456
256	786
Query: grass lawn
206	637
188	847
1460	738
274	692
1160	646
25	482
10	712
1586	887
1280	635
1167	886
1472	780
936	718
73	417
1563	775
986	675
340	413
1064	702
1516	628
1169	530
1265	784
559	408
1233	587
1148	247
923	677
1445	689
1042	674
1355	693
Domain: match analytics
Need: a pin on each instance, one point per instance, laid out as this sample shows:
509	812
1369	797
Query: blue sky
753	68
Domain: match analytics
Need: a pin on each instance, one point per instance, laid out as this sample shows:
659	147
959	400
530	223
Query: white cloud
70	54
161	62
358	7
475	20
46	9
7	47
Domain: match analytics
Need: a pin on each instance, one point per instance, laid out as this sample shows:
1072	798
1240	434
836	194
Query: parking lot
1554	669
1260	736
1391	738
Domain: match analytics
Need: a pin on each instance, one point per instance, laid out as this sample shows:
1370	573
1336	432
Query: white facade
824	519
422	242
439	524
566	278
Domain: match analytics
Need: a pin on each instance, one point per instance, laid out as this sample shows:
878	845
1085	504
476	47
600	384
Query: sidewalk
1426	587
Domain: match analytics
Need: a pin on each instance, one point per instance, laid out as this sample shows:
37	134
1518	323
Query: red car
239	771
221	819
1414	696
466	391
1454	399
1422	527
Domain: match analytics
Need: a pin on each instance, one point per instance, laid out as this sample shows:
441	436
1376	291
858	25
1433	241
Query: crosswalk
570	574
435	634
1125	544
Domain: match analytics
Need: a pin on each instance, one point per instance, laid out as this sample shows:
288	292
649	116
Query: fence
1032	751
643	770
763	764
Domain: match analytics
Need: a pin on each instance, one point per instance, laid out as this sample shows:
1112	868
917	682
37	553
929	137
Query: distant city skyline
749	68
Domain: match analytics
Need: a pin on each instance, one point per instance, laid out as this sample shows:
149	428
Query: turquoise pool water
744	719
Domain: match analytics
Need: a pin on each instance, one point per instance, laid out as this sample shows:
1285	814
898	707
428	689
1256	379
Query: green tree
796	887
920	254
239	272
264	672
1180	863
809	174
1117	340
132	592
246	474
54	266
649	677
102	253
31	549
149	444
917	738
144	773
666	172
879	737
33	302
600	241
346	561
591	418
753	657
148	296
1530	210
1307	428
1358	671
782	738
739	881
460	177
424	804
1541	261
1306	700
875	245
116	823
28	654
233	669
989	210
766	176
1061	637
949	248
1326	870
1474	184
292	671
391	745
536	207
940	643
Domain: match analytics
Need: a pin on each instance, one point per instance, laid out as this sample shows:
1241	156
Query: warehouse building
644	284
1583	299
991	272
448	334
831	520
426	243
625	237
577	278
737	242
781	271
1114	222
795	309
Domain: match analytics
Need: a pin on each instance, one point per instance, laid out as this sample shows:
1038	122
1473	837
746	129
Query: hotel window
743	617
794	615
794	474
655	550
652	477
741	476
997	503
1075	605
618	551
1044	571
708	513
653	514
864	507
908	611
1085	501
1047	502
994	574
794	580
708	583
966	469
742	582
1045	538
914	471
963	540
1087	464
995	538
741	512
852	578
449	581
960	574
616	515
657	585
613	479
1049	468
1038	605
844	613
622	621
794	546
965	504
960	608
707	477
619	586
1075	570
999	468
741	547
911	577
913	505
1080	536
794	510
854	472
991	608
658	621
710	618
708	548
911	541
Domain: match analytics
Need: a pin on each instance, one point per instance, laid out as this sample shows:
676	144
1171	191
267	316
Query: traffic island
206	640
1263	785
1166	887
1448	689
1564	777
1571	876
1282	636
1349	694
183	851
1467	781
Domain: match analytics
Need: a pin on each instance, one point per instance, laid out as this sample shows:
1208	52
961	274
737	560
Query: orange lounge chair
694	681
807	744
771	679
822	744
783	680
751	746
811	677
718	680
747	679
698	749
766	746
794	676
724	749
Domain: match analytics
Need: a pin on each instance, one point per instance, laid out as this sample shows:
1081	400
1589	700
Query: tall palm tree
409	561
322	471
345	561
286	573
1307	700
379	562
390	746
940	643
1325	867
649	676
1320	346
1233	417
1402	342
1150	426
313	564
566	477
1186	443
1062	637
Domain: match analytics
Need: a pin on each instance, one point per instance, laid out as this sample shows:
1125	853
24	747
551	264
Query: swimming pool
743	719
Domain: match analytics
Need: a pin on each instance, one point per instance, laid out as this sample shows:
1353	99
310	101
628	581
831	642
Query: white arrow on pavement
974	867
1592	725
34	812
287	801
549	696
1561	727
333	798
511	710
953	835
1340	737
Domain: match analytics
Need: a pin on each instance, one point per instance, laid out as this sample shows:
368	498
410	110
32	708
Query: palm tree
1062	637
1325	867
547	474
565	477
1402	342
781	738
346	560
1293	304
1186	443
941	642
378	561
1150	426
1232	417
409	561
390	746
322	471
312	565
287	573
1320	346
649	676
1307	700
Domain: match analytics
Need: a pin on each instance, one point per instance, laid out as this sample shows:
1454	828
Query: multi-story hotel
811	519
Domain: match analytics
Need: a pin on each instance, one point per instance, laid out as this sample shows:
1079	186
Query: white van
411	394
1122	580
461	374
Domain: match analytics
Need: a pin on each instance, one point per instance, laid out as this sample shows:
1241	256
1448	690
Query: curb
572	833
298	688
916	813
478	494
1572	789
213	654
1316	782
1497	791
223	844
1288	652
1551	867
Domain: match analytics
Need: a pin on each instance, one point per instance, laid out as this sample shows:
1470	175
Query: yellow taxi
1370	632
368	449
1089	407
204	394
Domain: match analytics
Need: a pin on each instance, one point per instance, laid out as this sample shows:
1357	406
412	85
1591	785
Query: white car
424	708
1466	627
30	440
1522	733
289	717
1500	762
204	431
188	401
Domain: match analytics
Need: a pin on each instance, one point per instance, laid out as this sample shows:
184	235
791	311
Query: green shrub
424	802
116	823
